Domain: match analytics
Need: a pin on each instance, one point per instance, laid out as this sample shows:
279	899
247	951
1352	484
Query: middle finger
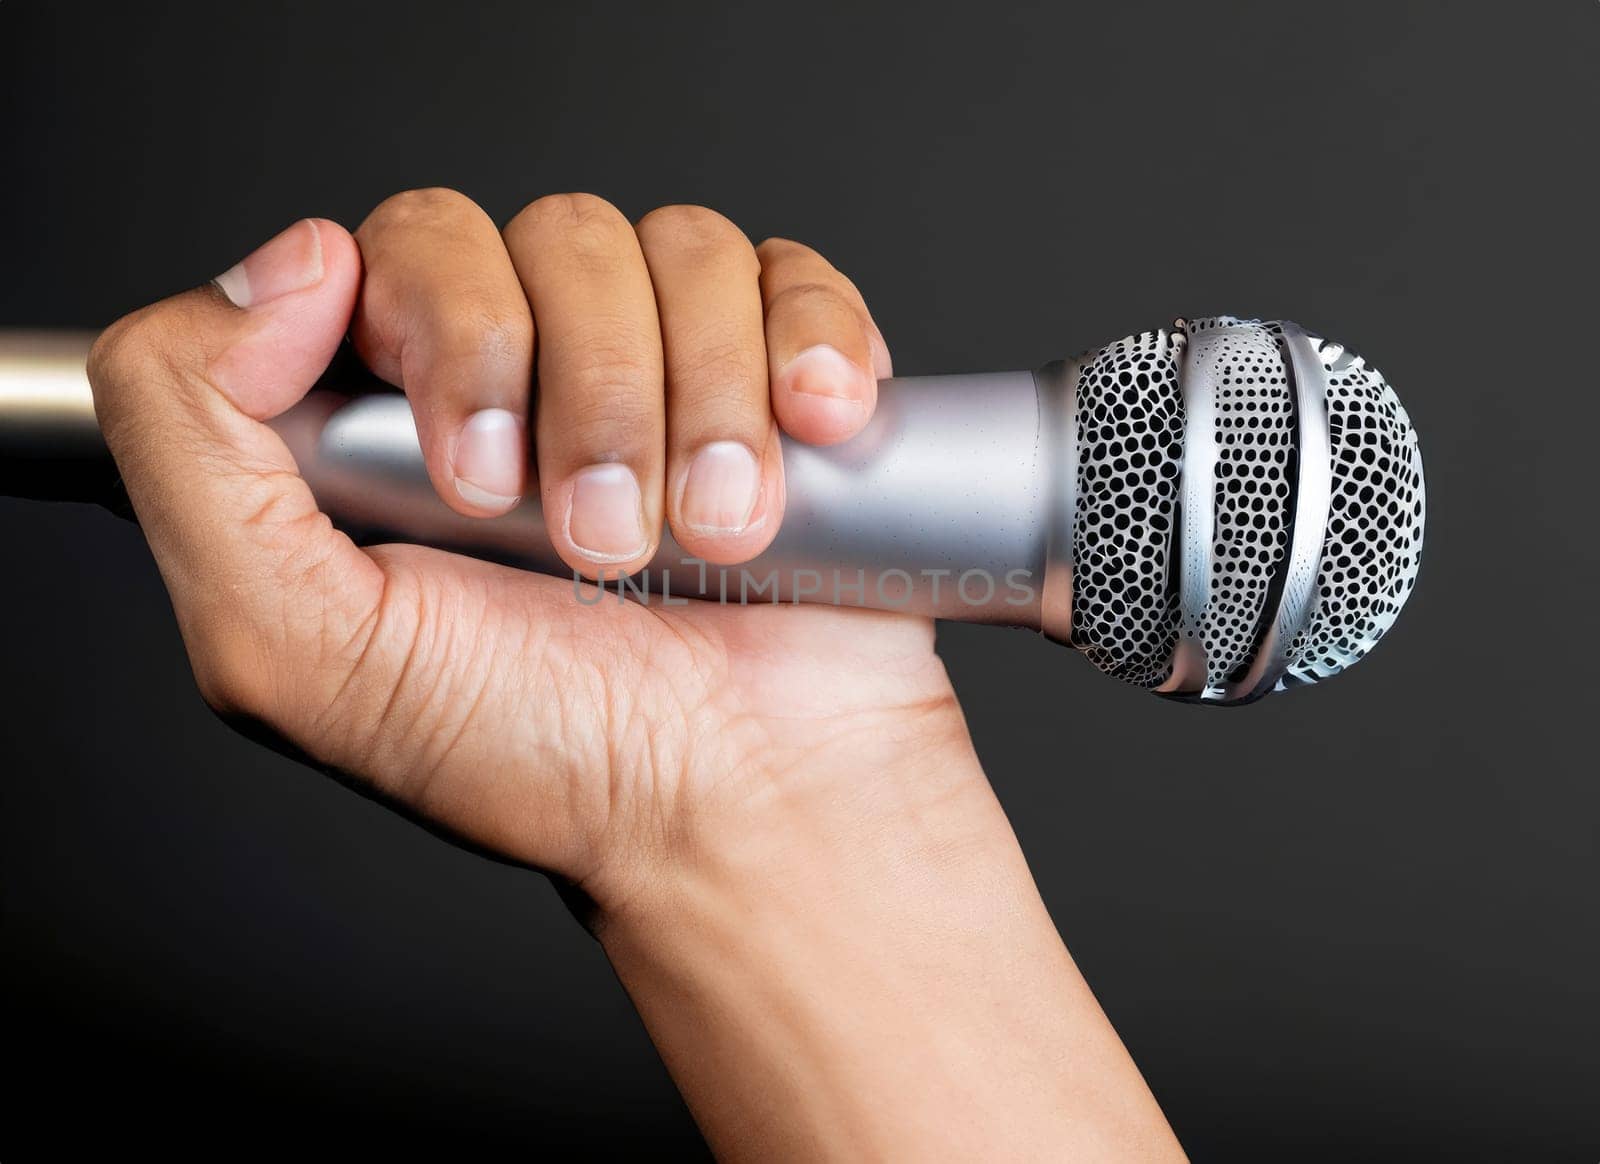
600	418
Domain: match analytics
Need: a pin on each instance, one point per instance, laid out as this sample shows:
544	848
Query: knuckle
781	256
107	355
711	363
724	411
609	392
692	231
784	262
599	355
381	327
774	249
586	221
810	298
480	332
127	345
140	353
607	412
417	207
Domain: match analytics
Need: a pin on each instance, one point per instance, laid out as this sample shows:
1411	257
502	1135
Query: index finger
442	315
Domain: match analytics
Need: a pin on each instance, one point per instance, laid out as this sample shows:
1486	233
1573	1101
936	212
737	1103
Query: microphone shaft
955	501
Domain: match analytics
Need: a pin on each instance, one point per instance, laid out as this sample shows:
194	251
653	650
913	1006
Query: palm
554	731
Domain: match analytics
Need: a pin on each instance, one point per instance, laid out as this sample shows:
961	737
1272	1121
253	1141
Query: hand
797	865
602	742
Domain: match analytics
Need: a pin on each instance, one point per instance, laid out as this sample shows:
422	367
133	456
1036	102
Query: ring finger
724	463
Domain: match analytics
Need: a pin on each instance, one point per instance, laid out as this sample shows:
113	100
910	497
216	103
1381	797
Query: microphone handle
956	501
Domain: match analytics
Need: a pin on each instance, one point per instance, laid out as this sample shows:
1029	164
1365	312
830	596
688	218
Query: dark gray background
1352	923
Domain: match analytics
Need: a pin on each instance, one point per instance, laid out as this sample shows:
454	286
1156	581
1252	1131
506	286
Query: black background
1356	923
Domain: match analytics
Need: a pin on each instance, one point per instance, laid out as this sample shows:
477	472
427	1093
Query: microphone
1211	511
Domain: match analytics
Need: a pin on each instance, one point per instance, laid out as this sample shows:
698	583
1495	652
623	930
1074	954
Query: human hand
604	743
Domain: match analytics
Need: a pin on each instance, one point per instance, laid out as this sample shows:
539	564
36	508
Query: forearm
890	989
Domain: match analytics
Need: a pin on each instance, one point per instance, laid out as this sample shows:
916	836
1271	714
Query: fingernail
489	458
823	370
290	262
720	490
605	520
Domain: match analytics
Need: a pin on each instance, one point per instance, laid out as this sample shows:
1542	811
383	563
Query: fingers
824	353
724	465
443	316
180	391
664	356
600	423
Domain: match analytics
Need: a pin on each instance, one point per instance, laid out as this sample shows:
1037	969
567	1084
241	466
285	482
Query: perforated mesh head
1190	475
1252	445
1130	451
1376	514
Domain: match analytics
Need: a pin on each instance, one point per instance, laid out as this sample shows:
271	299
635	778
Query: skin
790	851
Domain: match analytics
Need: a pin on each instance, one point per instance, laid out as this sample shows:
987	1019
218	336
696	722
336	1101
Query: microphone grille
1130	453
1377	513
1249	510
1251	444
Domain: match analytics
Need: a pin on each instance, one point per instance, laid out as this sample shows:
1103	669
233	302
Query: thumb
259	579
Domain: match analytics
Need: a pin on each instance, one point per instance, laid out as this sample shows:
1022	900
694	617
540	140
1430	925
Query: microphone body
947	504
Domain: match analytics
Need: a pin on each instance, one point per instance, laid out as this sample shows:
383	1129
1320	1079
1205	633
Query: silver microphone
1212	511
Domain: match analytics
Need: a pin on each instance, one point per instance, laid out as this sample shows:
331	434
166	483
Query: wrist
890	794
